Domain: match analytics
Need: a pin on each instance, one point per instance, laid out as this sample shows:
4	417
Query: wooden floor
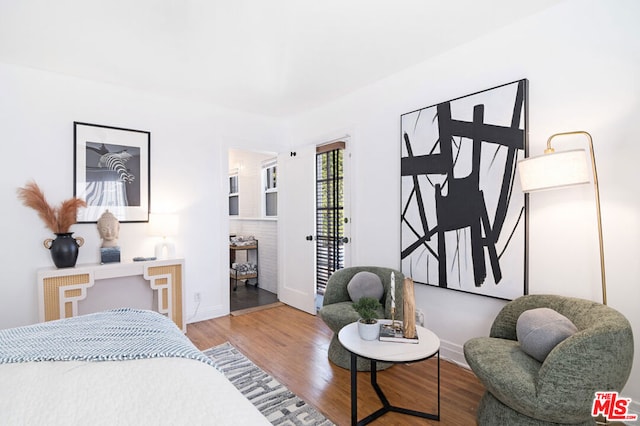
292	346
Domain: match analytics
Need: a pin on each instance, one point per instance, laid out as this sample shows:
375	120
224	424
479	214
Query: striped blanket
116	335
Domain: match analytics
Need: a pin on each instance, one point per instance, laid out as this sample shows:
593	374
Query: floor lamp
562	169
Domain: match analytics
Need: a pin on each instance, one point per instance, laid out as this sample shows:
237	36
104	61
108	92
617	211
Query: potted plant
368	327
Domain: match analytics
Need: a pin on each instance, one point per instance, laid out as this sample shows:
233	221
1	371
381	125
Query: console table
60	290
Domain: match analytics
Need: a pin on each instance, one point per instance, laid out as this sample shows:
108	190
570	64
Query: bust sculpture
109	229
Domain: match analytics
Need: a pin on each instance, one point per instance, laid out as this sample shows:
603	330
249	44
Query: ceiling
273	58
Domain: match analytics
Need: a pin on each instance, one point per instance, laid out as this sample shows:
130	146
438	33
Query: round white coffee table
427	347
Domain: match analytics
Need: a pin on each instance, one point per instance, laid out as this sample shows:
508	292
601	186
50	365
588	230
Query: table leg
376	387
354	389
386	406
438	416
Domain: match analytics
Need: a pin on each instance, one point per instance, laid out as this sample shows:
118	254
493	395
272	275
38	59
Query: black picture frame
112	171
464	219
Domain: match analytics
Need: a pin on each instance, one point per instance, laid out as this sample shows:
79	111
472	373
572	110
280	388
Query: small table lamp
165	226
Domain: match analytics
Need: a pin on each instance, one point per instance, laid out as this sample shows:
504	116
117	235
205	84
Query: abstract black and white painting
464	217
112	172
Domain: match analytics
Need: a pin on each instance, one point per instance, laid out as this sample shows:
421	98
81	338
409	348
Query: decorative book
391	333
109	254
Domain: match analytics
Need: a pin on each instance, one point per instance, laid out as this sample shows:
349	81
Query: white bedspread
119	367
159	391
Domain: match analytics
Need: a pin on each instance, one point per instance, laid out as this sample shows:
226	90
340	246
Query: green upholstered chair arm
506	371
336	291
598	358
337	315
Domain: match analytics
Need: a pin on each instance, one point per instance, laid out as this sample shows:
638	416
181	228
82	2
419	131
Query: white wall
582	59
189	146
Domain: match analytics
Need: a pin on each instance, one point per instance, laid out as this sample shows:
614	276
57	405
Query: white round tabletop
428	344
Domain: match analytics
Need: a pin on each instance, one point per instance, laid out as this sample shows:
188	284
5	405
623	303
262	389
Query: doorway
253	192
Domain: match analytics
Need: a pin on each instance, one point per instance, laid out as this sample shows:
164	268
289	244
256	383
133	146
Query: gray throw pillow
540	330
365	284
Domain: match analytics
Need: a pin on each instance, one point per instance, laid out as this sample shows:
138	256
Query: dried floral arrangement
57	219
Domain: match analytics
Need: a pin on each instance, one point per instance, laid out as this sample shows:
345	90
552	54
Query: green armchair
561	389
337	310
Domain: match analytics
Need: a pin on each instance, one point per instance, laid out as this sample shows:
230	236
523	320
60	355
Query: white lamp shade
163	225
556	170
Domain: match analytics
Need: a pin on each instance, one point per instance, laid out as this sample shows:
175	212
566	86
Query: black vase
64	249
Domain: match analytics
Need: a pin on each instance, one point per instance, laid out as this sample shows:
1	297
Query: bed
119	367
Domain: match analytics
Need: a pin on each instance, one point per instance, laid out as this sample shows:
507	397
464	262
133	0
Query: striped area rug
274	400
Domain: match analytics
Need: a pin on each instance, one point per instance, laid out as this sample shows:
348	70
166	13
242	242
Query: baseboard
454	353
204	314
255	309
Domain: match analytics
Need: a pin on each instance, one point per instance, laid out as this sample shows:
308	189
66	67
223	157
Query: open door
296	228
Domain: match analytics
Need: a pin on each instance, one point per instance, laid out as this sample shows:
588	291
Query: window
329	212
233	193
270	188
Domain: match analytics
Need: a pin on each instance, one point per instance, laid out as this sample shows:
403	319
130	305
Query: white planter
368	331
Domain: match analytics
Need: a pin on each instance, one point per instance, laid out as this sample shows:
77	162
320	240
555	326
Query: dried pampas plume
57	219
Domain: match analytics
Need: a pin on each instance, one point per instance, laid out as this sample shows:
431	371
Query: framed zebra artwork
112	171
